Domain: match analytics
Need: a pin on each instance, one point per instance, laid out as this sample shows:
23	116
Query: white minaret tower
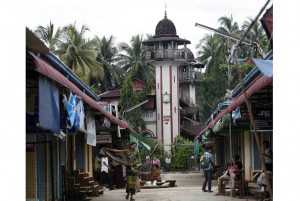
166	55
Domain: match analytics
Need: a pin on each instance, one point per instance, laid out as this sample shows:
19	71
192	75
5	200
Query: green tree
220	74
79	53
209	54
258	36
49	35
228	25
133	60
213	87
113	74
130	98
182	150
209	94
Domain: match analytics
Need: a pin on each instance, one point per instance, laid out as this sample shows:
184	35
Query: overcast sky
124	19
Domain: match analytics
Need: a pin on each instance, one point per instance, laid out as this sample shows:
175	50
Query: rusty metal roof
34	44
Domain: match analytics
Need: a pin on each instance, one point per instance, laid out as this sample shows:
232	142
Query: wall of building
149	117
167	113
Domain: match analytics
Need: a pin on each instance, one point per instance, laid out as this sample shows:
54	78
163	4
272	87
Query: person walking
208	172
168	163
132	158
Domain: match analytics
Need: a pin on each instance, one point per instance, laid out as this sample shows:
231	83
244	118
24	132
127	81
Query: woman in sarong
132	158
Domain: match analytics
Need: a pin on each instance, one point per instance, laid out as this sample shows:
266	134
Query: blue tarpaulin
49	118
70	107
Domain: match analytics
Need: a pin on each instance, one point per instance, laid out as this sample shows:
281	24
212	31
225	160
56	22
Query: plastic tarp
265	66
48	105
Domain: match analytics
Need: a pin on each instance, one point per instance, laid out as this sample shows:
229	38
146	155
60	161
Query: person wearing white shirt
168	163
105	178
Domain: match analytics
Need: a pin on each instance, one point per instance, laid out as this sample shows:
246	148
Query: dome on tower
165	27
166	31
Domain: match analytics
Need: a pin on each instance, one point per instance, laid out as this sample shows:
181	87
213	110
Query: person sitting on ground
155	173
230	174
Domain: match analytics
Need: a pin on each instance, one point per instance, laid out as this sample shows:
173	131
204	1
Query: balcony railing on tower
167	54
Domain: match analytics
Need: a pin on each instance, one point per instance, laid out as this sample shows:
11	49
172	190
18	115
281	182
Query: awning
257	85
49	71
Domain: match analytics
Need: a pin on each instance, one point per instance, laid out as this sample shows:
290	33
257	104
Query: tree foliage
112	73
132	59
214	51
49	35
182	150
130	98
79	53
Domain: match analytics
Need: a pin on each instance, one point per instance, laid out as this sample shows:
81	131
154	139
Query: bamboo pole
247	101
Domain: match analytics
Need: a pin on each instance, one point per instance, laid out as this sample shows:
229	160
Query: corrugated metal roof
49	71
33	43
256	86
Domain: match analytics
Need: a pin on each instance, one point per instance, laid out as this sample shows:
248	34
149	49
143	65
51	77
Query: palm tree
209	53
107	53
80	53
48	35
258	36
133	60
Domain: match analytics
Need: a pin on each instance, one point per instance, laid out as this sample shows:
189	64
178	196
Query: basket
172	182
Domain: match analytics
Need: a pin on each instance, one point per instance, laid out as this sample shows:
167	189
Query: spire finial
165	10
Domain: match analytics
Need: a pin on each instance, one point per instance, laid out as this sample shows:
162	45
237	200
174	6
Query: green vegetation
182	150
220	74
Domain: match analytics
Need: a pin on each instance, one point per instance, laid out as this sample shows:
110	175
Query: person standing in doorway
208	172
